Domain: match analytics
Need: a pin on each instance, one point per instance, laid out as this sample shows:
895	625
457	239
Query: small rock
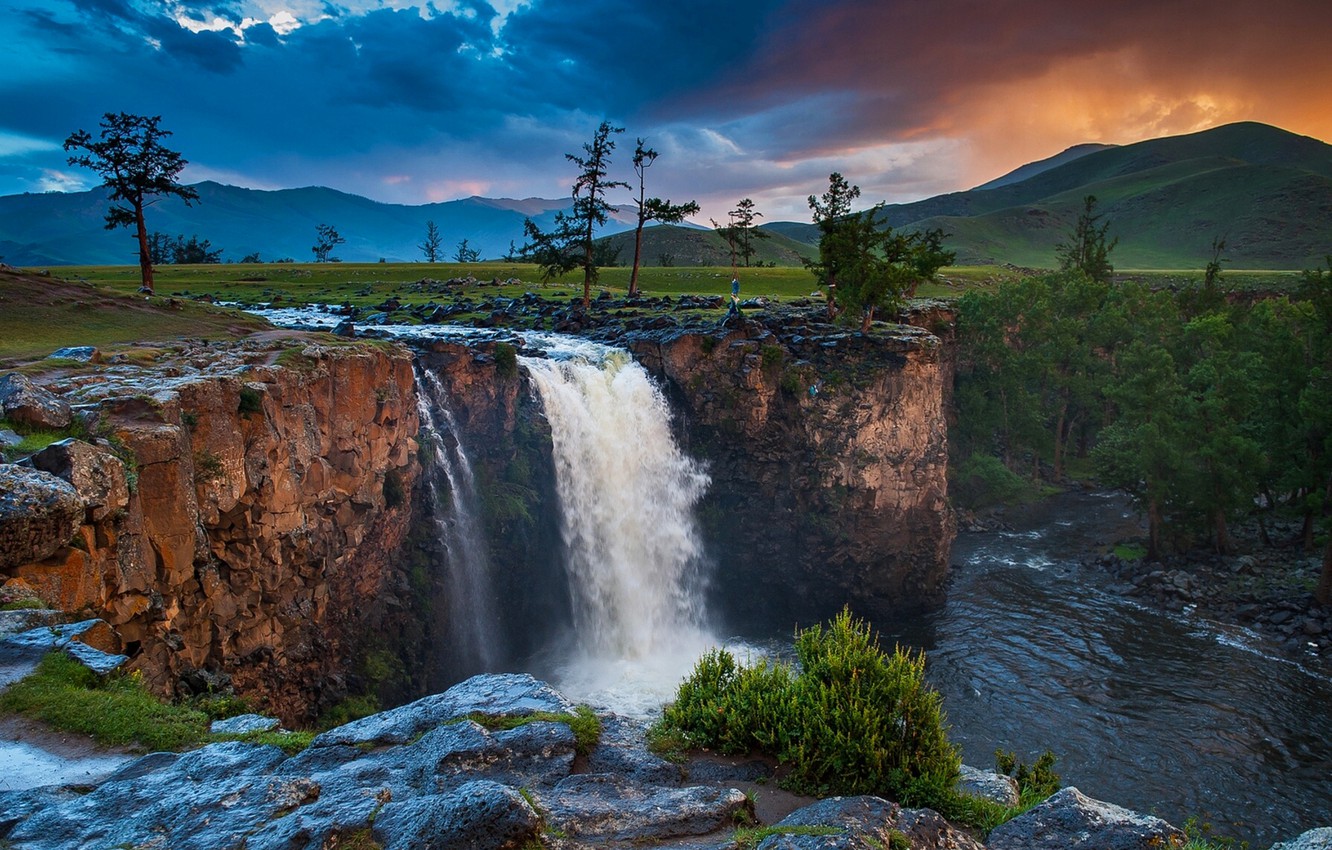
82	353
244	724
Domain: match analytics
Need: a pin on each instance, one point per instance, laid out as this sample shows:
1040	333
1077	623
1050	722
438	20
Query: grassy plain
100	305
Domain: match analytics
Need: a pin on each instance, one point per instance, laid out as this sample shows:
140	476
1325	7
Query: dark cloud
753	97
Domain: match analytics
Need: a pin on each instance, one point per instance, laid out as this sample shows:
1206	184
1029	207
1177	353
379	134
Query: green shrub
251	401
852	720
506	360
983	480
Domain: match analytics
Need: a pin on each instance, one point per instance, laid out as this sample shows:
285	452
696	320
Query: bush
852	719
982	480
506	360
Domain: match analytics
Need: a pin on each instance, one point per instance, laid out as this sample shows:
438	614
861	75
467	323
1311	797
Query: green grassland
41	314
101	306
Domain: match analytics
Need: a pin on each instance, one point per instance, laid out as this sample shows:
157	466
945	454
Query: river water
1158	712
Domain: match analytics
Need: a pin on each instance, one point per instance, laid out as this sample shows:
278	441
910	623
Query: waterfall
627	492
472	621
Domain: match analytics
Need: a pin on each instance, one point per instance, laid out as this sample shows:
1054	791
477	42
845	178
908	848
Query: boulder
602	807
502	694
1314	839
477	814
988	785
90	642
244	724
97	475
39	513
862	823
1069	820
81	353
24	402
868	823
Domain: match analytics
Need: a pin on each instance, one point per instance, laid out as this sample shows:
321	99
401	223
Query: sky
413	102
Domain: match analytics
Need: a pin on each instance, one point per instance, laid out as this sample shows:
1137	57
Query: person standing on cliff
734	309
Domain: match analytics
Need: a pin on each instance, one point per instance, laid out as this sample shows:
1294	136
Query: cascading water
633	552
472	620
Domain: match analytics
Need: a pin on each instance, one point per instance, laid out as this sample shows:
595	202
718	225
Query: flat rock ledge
426	777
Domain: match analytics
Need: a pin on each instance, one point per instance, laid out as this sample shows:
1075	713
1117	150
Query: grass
584	723
119	711
749	837
39	316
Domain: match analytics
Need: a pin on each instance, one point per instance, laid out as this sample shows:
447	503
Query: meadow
42	310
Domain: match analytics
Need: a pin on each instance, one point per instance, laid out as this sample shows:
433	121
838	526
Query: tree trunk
587	276
1153	531
145	258
1059	440
638	248
1324	592
1222	535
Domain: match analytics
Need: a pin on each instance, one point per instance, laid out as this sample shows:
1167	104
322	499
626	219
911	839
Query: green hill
1266	191
672	245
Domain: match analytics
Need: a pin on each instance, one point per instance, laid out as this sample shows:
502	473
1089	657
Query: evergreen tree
1086	249
433	241
651	209
570	244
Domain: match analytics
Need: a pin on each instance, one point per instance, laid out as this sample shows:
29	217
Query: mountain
68	228
1031	169
1268	192
686	245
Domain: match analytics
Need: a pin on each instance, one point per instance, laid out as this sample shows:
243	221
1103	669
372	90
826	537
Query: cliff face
828	454
243	511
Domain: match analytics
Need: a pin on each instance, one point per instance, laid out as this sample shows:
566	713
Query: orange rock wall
260	536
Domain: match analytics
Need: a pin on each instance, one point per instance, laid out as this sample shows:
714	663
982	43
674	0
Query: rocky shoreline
445	772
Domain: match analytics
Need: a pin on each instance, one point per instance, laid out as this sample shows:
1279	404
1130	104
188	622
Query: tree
828	211
1086	249
326	239
194	252
651	209
570	244
743	223
464	254
159	248
431	246
137	168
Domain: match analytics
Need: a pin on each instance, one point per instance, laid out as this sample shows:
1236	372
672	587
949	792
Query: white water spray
473	623
633	551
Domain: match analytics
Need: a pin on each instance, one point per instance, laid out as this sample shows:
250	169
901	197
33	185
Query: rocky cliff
828	456
238	511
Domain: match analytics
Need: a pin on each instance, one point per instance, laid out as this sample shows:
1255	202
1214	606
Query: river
1161	713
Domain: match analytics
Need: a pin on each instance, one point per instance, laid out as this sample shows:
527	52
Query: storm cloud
414	102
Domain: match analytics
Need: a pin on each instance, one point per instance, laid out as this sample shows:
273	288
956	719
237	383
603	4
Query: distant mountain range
1268	192
68	228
